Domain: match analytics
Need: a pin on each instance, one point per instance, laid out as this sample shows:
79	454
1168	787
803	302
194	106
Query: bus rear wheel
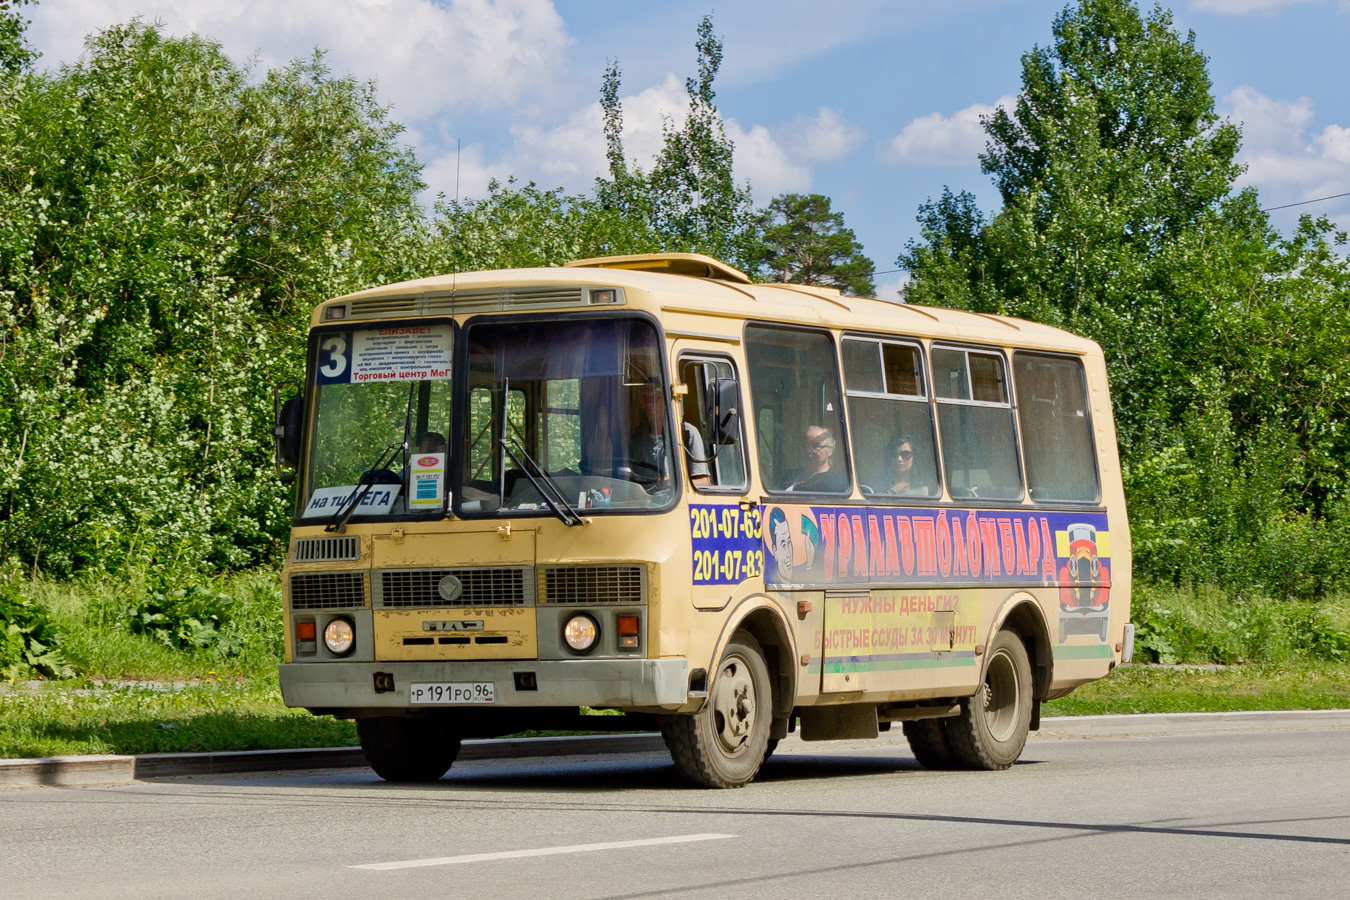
407	749
992	728
724	744
928	742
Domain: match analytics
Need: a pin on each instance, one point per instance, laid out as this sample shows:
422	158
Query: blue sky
872	102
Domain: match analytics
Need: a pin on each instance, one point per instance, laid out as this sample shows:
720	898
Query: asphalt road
1217	815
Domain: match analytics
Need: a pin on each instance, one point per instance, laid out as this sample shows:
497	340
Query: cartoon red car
1084	587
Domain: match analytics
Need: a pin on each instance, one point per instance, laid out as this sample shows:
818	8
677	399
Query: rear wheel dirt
992	728
408	749
724	744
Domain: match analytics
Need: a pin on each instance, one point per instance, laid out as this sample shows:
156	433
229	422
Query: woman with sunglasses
900	453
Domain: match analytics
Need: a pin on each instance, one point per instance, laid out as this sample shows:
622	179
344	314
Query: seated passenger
819	474
900	454
430	442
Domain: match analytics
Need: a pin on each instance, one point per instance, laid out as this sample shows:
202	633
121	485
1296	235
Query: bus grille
326	549
593	584
479	586
328	590
498	299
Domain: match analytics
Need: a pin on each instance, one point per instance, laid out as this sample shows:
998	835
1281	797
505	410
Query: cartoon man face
781	537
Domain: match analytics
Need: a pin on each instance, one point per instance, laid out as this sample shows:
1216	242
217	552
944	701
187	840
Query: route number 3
333	357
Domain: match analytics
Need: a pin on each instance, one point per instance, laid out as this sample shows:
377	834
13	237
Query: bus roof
687	287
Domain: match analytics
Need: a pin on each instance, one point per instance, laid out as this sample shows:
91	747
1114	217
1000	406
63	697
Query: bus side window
975	420
894	449
798	410
708	464
1052	408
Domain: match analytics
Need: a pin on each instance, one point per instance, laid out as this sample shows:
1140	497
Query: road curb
1192	723
72	771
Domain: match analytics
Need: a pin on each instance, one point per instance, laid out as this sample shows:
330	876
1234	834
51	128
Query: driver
647	447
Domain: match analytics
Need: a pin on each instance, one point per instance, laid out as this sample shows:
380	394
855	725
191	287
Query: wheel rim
1002	696
733	706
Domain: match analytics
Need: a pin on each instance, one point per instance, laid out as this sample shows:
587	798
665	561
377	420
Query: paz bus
728	510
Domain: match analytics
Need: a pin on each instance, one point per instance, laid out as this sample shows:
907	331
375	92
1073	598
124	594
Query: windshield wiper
338	522
556	503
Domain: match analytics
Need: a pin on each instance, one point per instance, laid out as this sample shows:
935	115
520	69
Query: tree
690	200
1120	220
15	54
805	242
167	222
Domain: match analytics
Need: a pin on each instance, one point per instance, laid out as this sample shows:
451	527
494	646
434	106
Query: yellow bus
729	510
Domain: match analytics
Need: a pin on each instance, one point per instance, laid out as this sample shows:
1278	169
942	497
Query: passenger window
799	417
975	420
1052	409
708	464
894	450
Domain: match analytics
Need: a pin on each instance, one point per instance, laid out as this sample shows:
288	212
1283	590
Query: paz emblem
450	588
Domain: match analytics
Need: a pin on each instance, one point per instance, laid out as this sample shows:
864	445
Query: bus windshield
577	408
383	414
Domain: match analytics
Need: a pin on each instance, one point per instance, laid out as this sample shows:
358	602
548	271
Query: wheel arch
764	620
1023	616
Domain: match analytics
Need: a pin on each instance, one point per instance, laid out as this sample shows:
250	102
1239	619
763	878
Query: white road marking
542	851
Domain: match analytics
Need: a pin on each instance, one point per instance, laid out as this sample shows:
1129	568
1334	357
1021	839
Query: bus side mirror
725	414
288	426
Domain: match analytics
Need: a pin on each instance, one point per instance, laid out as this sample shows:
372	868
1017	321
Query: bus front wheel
992	728
723	744
408	749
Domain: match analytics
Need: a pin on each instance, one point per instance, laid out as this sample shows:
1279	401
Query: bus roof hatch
694	265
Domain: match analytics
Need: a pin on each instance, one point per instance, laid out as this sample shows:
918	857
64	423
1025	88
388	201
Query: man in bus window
819	474
647	444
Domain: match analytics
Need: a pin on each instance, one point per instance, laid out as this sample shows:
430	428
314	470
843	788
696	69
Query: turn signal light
306	631
627	626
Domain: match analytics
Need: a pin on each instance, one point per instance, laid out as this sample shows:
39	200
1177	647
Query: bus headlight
339	636
581	633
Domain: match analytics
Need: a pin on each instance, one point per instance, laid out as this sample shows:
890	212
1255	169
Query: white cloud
774	159
894	291
430	58
1283	161
938	140
1245	7
824	137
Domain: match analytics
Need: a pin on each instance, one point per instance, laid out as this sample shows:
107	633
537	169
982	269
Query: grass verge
1159	689
64	718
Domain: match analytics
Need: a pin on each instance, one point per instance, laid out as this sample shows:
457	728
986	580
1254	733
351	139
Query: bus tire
992	728
724	744
405	749
928	742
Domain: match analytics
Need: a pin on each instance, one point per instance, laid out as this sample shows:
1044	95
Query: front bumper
571	682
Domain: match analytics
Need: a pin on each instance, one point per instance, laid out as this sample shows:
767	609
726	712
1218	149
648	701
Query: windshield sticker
414	353
376	502
427	481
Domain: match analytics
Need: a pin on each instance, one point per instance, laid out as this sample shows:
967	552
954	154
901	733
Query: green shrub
189	618
28	643
1203	624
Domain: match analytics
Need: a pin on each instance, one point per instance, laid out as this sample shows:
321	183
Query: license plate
452	692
